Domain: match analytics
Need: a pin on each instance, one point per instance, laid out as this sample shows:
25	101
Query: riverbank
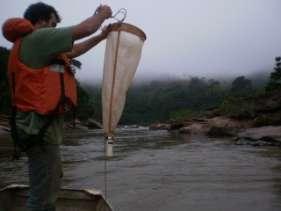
243	132
252	120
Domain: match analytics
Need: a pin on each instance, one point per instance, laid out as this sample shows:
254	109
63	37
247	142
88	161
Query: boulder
195	128
224	122
160	126
222	131
223	126
176	126
260	136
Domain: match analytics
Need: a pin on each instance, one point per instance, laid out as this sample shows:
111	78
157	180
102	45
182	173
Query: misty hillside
162	100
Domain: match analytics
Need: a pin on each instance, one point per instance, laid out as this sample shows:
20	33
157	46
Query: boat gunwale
91	194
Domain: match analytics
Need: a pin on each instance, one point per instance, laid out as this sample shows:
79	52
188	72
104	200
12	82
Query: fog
205	38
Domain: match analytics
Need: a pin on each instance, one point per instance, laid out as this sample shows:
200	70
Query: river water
163	171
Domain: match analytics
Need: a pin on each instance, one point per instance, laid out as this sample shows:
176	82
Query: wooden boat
13	198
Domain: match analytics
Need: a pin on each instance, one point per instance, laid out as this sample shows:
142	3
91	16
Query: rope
122	11
105	175
113	83
110	117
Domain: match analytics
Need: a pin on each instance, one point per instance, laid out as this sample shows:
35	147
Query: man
42	85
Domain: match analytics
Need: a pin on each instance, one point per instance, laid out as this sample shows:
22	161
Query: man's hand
104	10
105	31
91	24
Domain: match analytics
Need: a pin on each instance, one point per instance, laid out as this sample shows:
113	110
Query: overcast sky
185	37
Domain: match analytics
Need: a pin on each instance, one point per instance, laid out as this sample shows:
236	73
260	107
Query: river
163	171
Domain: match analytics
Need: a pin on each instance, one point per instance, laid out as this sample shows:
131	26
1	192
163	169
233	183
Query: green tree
241	86
85	107
171	99
275	77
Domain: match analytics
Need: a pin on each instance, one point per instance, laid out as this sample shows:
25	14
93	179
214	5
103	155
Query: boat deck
13	198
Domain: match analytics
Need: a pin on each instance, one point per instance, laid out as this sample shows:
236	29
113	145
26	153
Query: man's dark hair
40	11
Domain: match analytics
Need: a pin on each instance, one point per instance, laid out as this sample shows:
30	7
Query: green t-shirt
37	50
43	45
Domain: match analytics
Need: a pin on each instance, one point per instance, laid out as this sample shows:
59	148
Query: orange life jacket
42	89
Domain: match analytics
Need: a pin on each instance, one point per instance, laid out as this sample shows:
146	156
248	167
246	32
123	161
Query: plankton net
122	55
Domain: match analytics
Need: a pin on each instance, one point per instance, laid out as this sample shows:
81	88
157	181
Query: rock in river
260	136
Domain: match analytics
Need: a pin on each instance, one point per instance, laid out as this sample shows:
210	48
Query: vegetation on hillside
275	77
181	99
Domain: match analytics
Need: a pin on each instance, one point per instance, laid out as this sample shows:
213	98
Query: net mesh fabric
122	56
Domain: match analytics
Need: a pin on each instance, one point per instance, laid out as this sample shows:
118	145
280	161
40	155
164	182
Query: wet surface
157	170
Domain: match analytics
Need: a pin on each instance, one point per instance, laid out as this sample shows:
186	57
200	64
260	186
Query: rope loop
119	13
